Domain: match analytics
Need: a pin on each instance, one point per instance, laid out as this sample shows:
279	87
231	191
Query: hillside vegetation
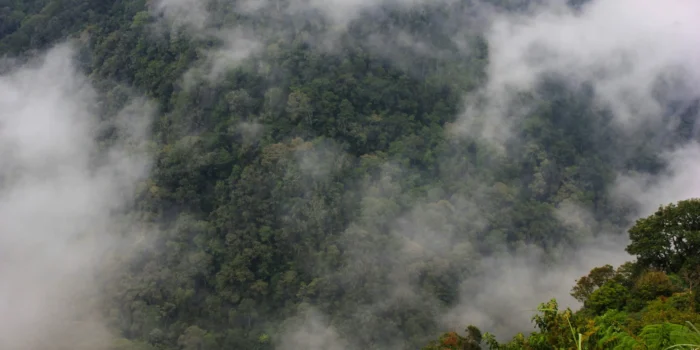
651	303
320	191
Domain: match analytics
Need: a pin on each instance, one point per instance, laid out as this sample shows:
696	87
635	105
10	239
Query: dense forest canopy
348	174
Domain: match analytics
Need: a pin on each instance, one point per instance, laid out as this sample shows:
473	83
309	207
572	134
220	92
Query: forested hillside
355	174
651	303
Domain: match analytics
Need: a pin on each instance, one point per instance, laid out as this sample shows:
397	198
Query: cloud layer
625	49
60	193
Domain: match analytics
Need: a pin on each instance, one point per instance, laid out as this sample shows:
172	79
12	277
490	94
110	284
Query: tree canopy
669	239
314	185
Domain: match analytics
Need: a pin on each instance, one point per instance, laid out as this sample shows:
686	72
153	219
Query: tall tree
668	239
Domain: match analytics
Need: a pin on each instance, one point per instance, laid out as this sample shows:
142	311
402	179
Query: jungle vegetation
313	178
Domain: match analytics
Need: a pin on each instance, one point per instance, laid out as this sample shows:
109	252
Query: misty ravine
349	174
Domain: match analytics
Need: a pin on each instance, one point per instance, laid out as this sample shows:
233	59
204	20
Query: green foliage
305	176
610	295
596	279
653	284
633	307
669	239
657	336
453	341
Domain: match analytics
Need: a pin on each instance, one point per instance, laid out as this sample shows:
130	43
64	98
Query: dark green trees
669	239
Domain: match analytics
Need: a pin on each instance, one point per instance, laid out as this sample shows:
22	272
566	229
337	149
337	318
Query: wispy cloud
59	194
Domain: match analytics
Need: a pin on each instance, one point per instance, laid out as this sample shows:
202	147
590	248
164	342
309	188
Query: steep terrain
355	174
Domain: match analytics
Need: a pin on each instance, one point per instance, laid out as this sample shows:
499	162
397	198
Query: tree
610	296
195	338
595	279
454	341
652	284
669	239
299	107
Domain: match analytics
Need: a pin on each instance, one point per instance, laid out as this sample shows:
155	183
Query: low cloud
310	330
234	43
241	29
179	14
639	57
502	298
623	48
680	180
60	195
